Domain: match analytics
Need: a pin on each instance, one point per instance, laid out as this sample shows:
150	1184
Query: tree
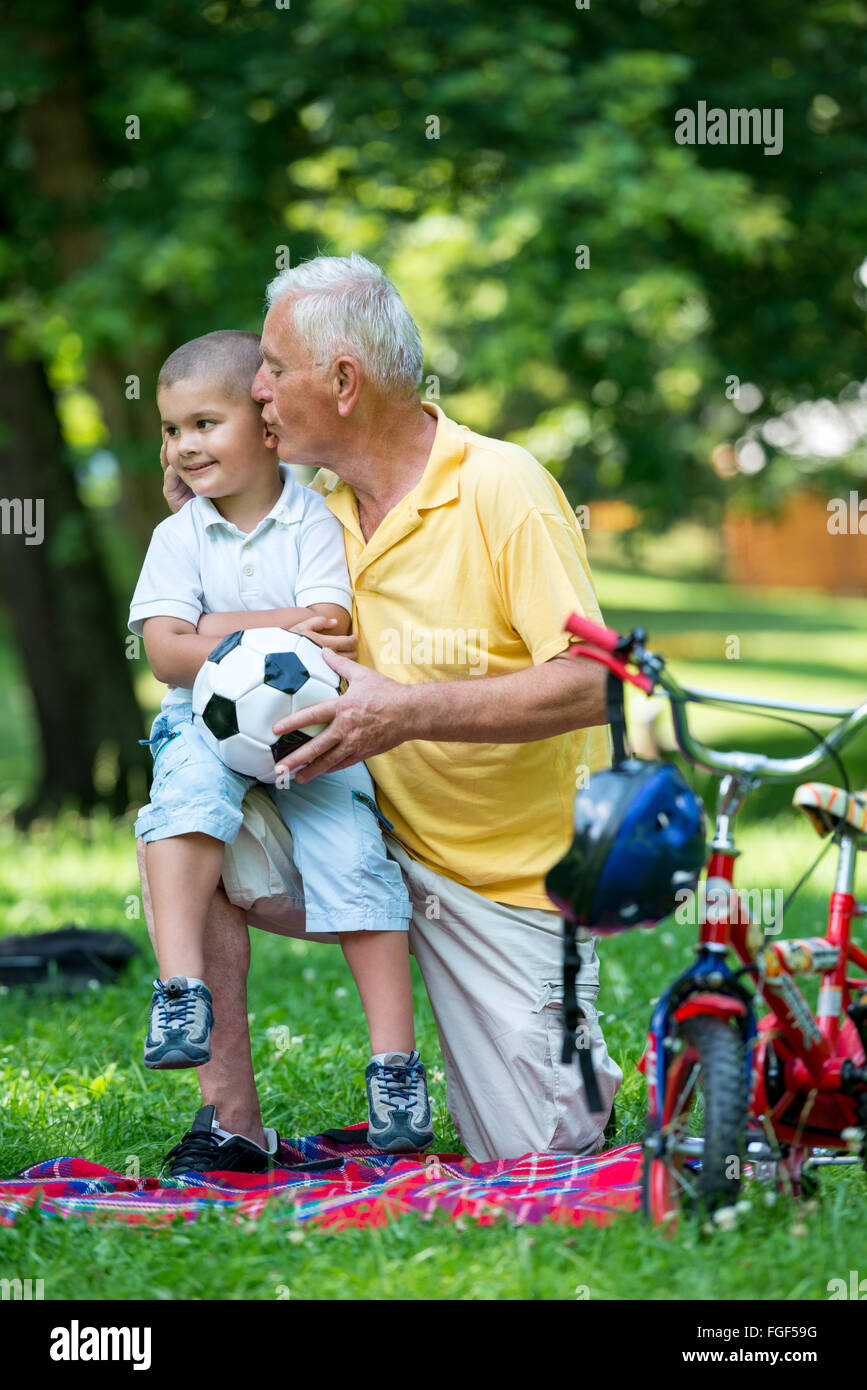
61	605
475	158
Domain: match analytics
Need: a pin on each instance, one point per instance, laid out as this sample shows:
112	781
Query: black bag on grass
67	959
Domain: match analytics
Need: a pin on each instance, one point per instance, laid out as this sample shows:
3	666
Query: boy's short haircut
229	359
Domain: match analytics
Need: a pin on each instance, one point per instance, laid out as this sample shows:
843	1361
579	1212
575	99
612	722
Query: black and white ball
250	680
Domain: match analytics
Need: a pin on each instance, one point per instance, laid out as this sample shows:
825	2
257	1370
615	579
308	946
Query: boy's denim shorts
350	884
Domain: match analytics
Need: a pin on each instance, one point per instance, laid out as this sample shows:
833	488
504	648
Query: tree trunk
62	609
59	596
66	170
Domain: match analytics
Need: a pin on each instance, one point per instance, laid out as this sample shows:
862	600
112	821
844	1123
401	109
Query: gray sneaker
400	1120
180	1028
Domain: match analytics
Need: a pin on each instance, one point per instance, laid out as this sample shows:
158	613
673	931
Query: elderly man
465	559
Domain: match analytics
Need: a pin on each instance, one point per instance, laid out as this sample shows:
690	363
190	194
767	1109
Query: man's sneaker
203	1151
180	1028
400	1120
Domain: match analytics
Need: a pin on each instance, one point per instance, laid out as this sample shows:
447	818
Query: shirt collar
440	481
288	508
438	484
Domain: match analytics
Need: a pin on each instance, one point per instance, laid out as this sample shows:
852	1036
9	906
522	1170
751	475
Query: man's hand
369	718
175	490
312	628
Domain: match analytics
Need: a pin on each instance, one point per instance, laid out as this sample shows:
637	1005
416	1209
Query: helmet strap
573	1018
616	716
572	959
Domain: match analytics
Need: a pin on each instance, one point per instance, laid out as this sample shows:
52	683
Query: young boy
253	548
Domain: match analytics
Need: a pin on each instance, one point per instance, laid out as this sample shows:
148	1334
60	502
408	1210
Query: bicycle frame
709	985
822	1056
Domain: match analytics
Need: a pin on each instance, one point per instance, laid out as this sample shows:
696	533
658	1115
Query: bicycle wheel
693	1159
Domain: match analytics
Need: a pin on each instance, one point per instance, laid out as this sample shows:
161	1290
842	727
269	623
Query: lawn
72	1081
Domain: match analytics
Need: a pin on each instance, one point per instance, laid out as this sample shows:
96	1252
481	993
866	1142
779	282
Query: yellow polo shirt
473	574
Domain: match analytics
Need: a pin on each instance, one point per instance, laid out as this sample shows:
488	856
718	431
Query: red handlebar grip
637	678
604	637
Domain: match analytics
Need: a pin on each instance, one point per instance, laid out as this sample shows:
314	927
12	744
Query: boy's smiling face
216	442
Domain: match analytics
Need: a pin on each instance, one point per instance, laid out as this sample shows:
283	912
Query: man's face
216	442
293	392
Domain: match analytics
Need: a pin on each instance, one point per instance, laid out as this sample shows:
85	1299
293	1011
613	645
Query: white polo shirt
197	562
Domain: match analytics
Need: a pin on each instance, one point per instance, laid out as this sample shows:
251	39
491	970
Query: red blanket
368	1189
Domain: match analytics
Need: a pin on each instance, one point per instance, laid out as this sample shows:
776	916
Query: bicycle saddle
828	808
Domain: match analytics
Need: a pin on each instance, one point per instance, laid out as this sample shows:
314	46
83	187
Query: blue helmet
639	839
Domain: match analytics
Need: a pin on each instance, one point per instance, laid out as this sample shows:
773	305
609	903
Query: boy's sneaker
203	1151
400	1119
182	1016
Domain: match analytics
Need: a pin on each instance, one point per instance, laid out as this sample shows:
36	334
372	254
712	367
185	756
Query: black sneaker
203	1151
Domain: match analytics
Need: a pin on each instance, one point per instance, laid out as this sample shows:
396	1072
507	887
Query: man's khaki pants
493	974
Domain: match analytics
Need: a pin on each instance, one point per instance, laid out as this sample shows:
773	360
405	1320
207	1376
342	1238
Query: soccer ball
250	680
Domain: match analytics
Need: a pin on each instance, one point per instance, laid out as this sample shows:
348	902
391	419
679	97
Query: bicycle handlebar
601	645
604	637
618	652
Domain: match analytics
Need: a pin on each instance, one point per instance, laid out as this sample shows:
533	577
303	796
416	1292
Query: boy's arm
309	621
217	625
175	650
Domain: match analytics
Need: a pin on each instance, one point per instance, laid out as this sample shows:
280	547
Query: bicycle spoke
685	1096
680	1176
687	1093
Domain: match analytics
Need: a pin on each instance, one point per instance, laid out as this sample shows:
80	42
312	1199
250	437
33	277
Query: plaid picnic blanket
367	1189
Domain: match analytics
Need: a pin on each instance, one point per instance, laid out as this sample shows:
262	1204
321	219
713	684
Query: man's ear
346	384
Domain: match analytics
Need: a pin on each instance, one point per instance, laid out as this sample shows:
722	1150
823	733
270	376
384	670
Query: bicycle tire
710	1066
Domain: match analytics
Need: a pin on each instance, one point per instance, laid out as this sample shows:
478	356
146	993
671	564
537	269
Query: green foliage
308	127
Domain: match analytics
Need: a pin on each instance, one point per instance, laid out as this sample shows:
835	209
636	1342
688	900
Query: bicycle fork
708	987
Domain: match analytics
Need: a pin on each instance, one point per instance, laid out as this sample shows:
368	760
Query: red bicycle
788	1092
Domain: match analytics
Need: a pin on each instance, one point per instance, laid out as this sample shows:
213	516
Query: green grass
71	1081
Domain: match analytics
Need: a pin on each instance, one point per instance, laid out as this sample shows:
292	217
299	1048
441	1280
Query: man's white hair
348	304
